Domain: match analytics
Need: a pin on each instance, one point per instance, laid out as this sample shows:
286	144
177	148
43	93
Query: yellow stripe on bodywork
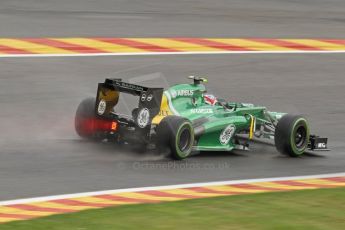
33	47
251	130
163	112
110	96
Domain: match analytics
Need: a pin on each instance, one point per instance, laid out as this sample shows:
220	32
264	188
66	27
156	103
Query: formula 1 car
184	119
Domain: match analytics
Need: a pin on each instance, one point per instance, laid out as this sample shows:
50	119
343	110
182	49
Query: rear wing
108	94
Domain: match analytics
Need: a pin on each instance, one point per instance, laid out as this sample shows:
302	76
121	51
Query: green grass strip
306	209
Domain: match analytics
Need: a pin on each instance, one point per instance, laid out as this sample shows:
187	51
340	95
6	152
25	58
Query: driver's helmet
210	99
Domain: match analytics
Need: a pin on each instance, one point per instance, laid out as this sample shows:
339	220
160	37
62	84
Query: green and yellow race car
185	118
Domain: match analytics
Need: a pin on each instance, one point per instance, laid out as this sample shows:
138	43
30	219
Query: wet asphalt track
41	155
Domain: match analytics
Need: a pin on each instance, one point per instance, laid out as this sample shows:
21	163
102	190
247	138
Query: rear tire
177	134
292	135
84	117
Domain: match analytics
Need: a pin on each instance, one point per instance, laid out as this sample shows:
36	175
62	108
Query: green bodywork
213	121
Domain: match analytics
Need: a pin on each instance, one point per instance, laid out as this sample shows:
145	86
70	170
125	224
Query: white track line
171	53
85	194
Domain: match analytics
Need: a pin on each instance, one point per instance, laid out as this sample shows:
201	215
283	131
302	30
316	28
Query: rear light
104	125
114	126
92	125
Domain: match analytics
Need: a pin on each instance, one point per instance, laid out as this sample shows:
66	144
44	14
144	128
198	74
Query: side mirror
198	80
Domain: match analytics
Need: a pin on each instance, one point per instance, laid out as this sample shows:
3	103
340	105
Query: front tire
292	135
176	133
